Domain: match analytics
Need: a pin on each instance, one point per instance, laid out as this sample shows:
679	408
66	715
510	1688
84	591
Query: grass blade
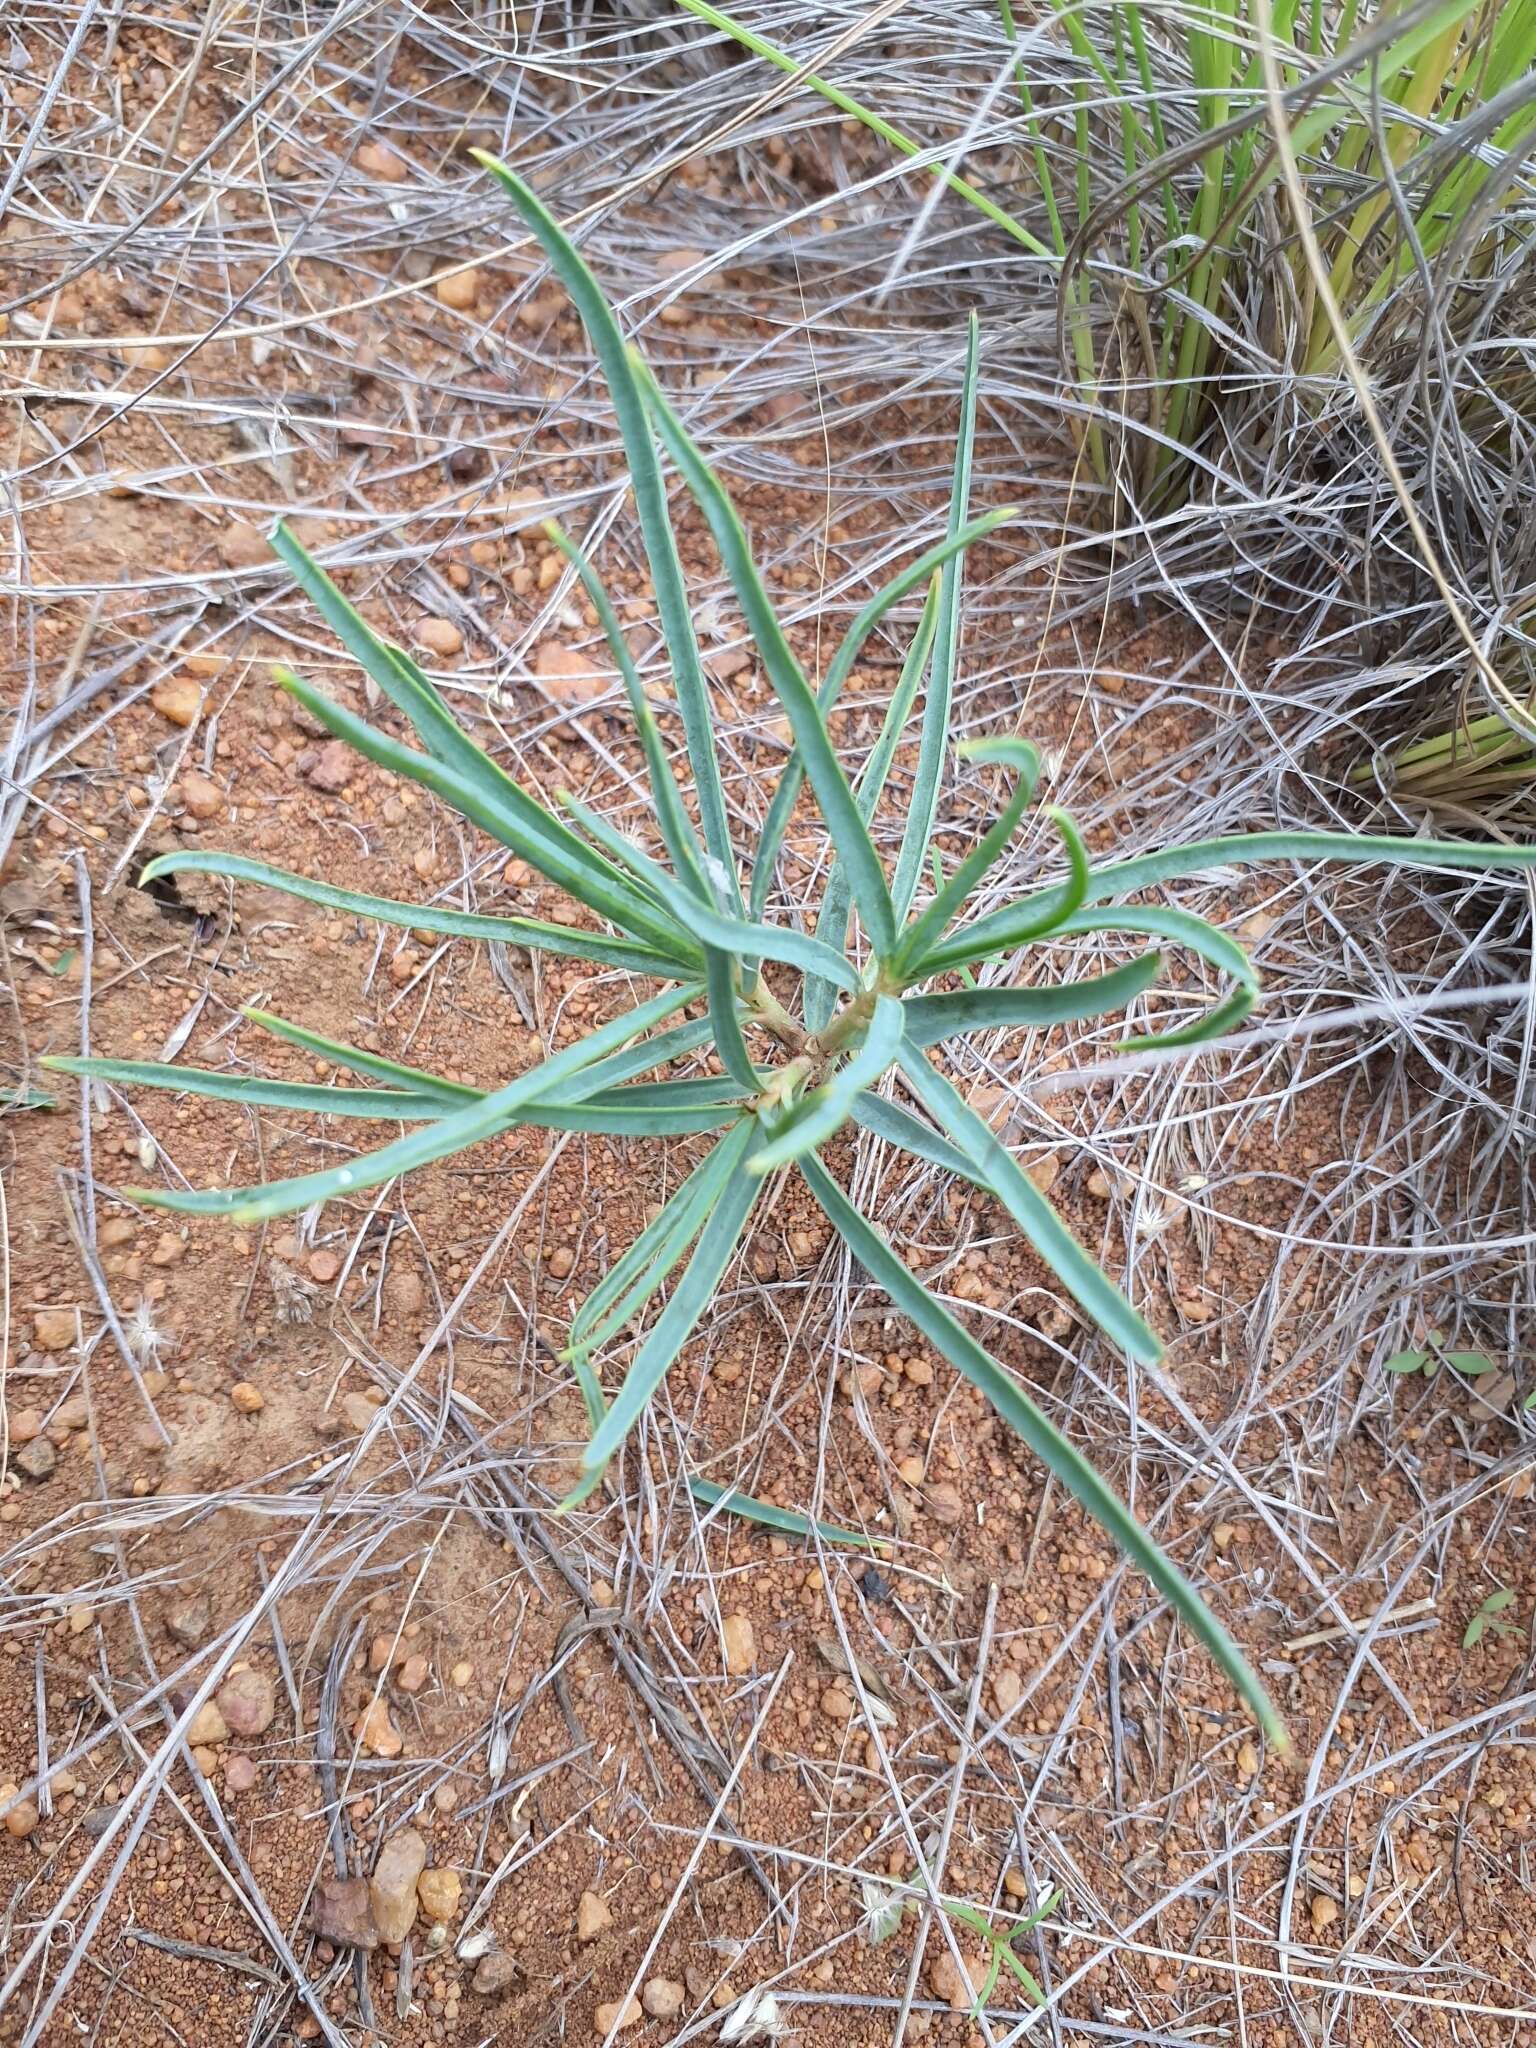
454	1094
995	1166
877	125
535	933
732	1501
1061	1457
655	525
723	1225
946	644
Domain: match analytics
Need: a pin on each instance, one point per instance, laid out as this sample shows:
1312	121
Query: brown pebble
240	1773
414	1673
177	699
204	799
169	1249
663	1998
592	1917
21	1819
379	161
561	1260
53	1329
461	1673
439	636
459	291
242	547
1324	1912
740	1644
248	1701
837	1704
438	1892
324	1266
612	2017
247	1399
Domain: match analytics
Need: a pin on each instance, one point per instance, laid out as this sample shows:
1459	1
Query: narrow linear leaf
401	1105
676	827
841	667
632	1279
495	1112
1089	1286
848	830
993	933
785	1520
1054	1450
1024	759
454	1094
534	933
898	1126
689	1299
524	826
931	1019
651	504
946	646
820	996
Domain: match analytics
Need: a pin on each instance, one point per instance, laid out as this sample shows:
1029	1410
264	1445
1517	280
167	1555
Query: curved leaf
1061	1457
933	1018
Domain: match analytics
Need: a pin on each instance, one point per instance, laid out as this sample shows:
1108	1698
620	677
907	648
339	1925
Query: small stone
21	1819
339	1912
740	1644
189	1623
1100	1185
414	1673
24	1424
1247	1760
911	1471
592	1917
461	1673
205	1759
837	1704
242	547
957	1988
495	1973
53	1329
376	1732
570	676
1324	1912
1015	1883
561	1261
612	2017
385	1650
405	1296
115	1231
240	1773
247	1399
204	799
392	1887
663	1998
178	699
943	1502
330	768
438	1892
324	1266
169	1249
1222	1535
248	1702
379	161
919	1371
1007	1689
359	1411
1044	1171
459	291
439	636
37	1459
208	1727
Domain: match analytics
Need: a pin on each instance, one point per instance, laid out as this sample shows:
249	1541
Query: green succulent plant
794	1070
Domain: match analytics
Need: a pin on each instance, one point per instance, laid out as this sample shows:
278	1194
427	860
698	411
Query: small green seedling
884	1910
1429	1361
813	1030
1487	1618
